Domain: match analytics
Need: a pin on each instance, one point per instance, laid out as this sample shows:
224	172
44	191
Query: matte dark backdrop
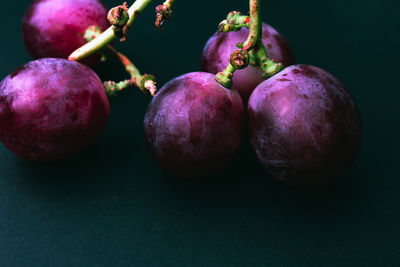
111	205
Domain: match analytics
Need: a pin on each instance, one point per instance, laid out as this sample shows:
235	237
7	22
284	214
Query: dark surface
111	205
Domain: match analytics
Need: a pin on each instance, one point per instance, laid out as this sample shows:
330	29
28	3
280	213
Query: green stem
108	35
143	82
234	22
169	3
255	35
268	66
129	66
164	12
253	46
224	78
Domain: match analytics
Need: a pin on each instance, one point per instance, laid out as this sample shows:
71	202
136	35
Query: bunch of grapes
303	124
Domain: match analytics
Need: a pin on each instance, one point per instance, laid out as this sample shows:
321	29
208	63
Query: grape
55	28
304	126
51	108
193	126
219	47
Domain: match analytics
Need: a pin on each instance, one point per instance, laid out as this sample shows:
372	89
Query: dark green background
111	205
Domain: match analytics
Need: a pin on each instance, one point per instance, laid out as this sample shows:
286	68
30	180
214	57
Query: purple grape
219	47
304	126
55	28
51	108
193	126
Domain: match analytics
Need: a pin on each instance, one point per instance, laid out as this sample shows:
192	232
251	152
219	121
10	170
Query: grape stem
234	22
255	26
118	17
108	35
253	45
144	82
164	12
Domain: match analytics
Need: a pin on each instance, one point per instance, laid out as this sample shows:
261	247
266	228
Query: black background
111	205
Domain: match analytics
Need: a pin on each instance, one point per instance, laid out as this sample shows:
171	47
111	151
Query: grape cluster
303	124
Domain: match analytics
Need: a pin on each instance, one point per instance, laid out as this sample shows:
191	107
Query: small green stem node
240	59
224	78
92	32
164	12
112	88
119	17
148	83
234	22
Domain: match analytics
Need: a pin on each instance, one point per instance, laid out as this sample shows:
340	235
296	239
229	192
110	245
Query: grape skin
304	126
219	47
55	28
193	126
51	108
